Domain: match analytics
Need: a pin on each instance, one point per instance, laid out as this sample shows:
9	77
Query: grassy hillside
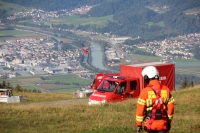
12	8
112	118
77	20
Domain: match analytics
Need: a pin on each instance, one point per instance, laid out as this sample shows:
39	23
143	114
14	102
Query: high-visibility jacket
147	98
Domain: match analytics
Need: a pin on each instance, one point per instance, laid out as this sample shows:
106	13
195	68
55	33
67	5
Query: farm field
187	66
61	83
144	58
76	20
16	34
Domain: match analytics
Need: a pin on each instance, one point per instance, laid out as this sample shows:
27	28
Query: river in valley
96	55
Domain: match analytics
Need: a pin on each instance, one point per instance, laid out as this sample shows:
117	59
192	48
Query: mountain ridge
133	17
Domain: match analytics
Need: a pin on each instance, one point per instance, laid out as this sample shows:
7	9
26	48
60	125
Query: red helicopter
85	50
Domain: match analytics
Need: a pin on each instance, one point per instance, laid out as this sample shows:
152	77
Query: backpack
155	111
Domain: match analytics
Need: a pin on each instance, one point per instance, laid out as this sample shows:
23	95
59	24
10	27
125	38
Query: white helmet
150	71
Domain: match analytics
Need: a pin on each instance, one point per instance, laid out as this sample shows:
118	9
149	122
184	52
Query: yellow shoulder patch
164	93
151	94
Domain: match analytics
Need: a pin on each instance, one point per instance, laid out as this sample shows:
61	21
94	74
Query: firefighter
155	105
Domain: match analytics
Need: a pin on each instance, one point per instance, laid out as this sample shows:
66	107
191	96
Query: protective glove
139	129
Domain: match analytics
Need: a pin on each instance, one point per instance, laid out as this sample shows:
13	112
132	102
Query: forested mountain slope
52	5
149	19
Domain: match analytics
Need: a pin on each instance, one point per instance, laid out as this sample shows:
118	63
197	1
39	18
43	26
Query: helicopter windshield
107	85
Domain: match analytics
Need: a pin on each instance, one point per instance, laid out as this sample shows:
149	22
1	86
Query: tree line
186	80
185	83
132	18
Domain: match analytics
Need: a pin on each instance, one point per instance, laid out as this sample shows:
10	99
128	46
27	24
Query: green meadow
29	21
161	24
12	33
187	66
77	20
55	83
17	34
42	114
12	8
144	58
